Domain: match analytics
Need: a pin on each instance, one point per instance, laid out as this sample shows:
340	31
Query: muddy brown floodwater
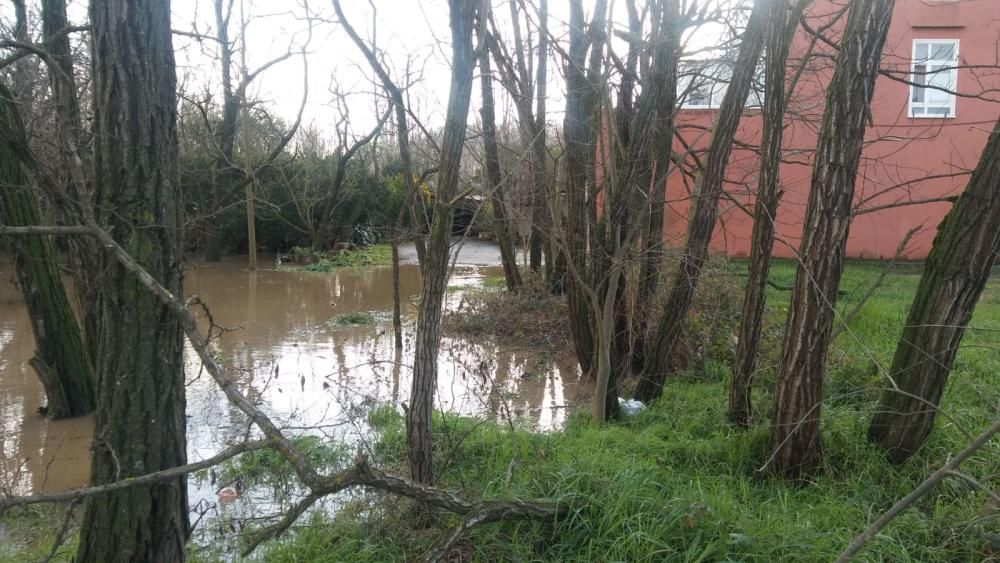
304	369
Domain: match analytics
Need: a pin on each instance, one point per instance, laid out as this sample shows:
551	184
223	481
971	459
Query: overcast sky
413	32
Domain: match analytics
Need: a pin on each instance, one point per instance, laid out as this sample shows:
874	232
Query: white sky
406	30
413	32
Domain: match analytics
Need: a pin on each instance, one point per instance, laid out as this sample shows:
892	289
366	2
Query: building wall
906	159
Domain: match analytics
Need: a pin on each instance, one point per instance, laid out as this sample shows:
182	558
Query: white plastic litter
631	407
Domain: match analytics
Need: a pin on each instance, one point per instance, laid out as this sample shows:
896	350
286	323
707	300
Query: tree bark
701	224
397	316
794	440
579	135
765	208
223	172
61	359
955	273
540	214
249	197
73	201
494	178
140	422
435	269
652	244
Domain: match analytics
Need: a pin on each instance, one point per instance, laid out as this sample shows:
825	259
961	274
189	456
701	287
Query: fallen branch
361	474
74	495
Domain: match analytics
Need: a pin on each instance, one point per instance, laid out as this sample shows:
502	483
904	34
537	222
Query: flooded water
305	369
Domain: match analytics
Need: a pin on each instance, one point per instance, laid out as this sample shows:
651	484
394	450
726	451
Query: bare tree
436	263
652	249
400	109
528	92
954	276
781	24
702	221
580	125
794	440
62	361
494	177
227	174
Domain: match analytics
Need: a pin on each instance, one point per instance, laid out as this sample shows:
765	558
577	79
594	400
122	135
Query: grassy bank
677	484
674	483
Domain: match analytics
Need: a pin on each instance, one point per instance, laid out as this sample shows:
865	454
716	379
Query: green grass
677	484
28	533
495	282
375	255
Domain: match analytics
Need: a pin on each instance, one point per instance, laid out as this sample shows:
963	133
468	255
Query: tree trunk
701	224
61	360
494	177
251	205
955	273
795	441
579	135
540	214
435	269
765	208
140	421
604	405
223	174
78	185
651	251
397	317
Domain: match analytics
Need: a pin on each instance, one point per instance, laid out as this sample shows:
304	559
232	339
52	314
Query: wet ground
310	373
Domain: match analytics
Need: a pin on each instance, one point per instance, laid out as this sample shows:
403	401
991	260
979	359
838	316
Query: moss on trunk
61	360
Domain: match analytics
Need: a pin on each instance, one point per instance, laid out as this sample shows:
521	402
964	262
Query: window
702	85
933	71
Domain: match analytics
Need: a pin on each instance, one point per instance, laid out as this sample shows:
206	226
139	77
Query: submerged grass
375	255
675	483
358	318
531	318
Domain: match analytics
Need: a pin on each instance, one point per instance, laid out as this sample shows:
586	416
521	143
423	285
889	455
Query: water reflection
291	358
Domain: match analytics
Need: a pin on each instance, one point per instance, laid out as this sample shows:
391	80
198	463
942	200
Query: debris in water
227	495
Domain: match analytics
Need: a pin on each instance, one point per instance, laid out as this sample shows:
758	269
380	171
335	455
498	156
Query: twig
886	270
902	504
78	494
447	541
63	531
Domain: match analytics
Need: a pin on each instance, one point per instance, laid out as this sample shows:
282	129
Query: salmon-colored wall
916	152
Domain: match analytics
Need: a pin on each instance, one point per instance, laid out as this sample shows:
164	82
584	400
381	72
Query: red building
921	142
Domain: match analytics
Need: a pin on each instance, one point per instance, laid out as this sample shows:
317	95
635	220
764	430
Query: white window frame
952	65
722	76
